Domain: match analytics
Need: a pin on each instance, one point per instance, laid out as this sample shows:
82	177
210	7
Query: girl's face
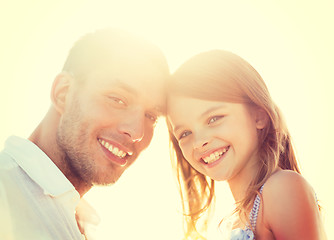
219	139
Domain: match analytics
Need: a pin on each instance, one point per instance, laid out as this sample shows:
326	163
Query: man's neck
44	136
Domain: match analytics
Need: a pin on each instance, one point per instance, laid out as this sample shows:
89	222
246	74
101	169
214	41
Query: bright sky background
290	43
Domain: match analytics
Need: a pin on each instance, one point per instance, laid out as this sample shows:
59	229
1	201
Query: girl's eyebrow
177	128
221	106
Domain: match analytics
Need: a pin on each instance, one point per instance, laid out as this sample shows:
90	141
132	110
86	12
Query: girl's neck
240	182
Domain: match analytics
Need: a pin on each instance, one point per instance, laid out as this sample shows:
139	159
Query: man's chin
106	181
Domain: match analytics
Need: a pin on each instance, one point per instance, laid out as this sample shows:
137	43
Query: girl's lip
216	162
207	154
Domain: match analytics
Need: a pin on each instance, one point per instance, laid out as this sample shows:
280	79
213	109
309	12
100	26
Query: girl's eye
184	134
214	119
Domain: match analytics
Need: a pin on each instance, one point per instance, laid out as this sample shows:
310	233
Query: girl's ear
261	118
59	91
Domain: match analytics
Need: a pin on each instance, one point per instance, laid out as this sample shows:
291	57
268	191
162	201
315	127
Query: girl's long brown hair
223	76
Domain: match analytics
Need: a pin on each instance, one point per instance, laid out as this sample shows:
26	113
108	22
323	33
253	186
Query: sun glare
288	43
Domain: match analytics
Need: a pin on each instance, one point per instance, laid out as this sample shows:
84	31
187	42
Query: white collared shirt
36	200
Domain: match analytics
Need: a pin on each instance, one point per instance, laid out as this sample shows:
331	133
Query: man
105	104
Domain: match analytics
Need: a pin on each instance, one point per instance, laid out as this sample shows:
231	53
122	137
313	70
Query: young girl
224	126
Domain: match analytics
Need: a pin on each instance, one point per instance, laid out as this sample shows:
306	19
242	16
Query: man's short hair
97	48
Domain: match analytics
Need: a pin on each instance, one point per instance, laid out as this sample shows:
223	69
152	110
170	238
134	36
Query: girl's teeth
214	156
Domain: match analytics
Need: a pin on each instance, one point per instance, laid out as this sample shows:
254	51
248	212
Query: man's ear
59	91
261	118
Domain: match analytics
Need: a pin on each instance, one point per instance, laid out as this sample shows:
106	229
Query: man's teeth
214	156
114	150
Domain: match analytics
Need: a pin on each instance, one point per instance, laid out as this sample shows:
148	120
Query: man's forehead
161	110
154	94
138	68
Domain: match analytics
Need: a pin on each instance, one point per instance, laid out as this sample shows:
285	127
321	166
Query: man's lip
119	146
113	158
121	161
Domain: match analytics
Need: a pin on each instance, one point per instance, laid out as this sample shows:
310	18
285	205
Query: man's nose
133	126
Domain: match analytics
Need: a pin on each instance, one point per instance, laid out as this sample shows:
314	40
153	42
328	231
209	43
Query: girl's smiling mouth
208	159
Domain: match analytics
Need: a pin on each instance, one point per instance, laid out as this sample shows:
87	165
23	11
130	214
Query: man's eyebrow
119	83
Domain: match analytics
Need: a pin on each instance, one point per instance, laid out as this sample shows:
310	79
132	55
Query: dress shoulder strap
255	210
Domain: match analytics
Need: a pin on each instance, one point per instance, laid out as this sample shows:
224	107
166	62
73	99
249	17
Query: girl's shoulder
286	187
286	180
289	201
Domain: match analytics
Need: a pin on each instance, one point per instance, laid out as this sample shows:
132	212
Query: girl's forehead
181	100
181	108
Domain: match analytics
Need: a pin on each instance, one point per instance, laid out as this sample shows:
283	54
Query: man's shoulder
6	162
11	174
7	158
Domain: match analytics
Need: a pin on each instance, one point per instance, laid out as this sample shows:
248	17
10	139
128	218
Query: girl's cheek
185	151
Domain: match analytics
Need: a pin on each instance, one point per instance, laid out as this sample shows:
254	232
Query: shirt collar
38	166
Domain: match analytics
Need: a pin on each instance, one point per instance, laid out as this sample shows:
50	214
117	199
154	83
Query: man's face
109	119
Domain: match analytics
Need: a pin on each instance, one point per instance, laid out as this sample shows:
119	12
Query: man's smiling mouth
114	150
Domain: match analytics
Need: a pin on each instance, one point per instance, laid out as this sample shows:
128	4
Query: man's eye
184	134
213	119
117	100
151	117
